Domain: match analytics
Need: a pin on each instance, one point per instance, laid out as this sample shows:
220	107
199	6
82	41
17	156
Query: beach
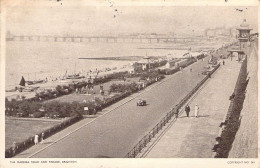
40	60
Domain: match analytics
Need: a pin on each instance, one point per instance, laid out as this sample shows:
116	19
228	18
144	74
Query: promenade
119	127
194	137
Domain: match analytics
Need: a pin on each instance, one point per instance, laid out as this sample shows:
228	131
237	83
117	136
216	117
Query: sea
35	60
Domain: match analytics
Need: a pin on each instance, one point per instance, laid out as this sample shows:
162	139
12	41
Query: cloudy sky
112	19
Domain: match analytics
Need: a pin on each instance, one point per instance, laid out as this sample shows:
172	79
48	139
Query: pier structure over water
107	39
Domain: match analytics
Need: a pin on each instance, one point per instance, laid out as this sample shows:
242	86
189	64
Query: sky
105	20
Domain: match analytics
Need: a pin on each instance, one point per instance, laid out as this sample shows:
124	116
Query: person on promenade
14	148
177	113
191	70
187	110
196	110
232	96
42	138
223	62
36	139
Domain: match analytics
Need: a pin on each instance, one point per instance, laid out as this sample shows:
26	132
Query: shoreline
66	59
55	79
52	84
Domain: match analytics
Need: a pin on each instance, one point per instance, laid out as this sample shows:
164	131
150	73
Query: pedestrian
187	110
14	148
223	62
191	70
176	113
196	110
36	139
42	138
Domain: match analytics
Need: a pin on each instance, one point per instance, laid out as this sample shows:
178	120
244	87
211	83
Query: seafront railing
172	114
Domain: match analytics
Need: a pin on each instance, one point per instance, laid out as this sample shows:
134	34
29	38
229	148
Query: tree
59	89
24	109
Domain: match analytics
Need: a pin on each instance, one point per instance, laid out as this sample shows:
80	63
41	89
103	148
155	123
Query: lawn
95	93
19	130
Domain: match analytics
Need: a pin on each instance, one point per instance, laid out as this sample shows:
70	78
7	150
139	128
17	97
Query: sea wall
238	134
246	140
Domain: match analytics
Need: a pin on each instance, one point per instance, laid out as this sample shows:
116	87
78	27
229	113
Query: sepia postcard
110	83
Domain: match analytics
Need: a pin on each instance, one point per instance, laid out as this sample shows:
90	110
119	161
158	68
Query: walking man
223	62
187	110
196	110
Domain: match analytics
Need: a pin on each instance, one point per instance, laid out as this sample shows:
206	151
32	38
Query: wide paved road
195	137
116	133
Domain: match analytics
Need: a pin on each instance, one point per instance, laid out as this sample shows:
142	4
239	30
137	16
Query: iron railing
172	113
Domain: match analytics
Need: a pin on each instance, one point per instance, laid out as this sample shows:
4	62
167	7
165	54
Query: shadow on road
101	156
194	116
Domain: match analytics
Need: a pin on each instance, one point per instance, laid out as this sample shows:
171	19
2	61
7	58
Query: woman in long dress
196	110
36	139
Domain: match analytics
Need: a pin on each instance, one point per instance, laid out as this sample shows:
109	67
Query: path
194	137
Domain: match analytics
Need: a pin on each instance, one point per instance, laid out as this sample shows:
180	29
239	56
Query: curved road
115	134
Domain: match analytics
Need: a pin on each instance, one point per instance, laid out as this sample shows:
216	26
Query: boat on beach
34	82
75	76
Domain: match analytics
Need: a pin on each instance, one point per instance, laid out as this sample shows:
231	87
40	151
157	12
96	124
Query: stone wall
246	140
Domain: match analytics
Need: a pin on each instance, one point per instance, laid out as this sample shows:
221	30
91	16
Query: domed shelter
244	30
243	37
146	63
244	24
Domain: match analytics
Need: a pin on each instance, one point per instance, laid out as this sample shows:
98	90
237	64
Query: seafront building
244	41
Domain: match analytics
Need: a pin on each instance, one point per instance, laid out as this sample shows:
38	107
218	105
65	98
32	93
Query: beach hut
170	64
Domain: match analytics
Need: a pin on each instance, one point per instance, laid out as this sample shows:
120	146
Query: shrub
121	88
171	71
24	109
38	114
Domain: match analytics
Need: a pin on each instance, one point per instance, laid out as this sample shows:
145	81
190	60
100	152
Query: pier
106	39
